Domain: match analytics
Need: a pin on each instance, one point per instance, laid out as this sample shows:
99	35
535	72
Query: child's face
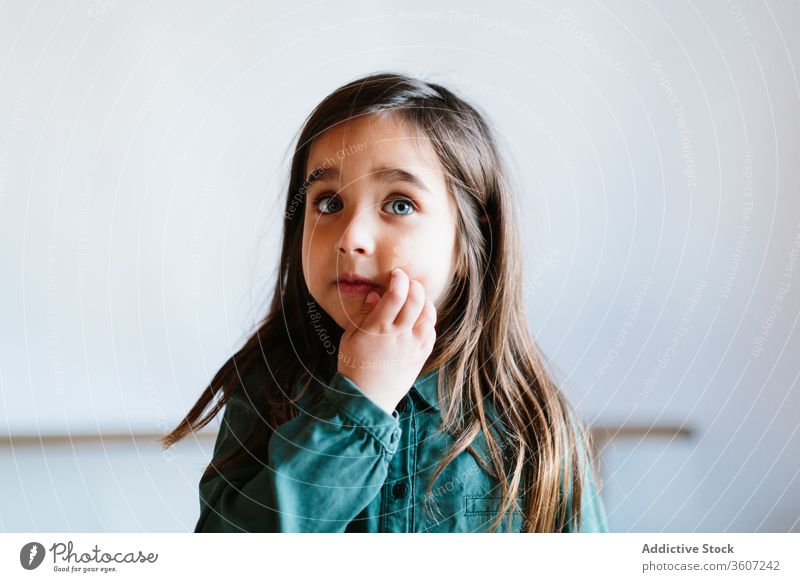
379	201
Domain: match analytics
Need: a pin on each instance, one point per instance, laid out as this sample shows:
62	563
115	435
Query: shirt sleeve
321	470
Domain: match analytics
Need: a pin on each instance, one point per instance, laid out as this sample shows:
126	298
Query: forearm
324	466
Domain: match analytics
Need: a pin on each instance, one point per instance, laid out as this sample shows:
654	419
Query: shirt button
399	490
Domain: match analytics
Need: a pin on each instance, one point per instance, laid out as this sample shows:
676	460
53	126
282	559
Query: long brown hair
484	350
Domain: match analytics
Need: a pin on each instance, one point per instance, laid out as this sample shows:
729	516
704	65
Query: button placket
399	490
396	492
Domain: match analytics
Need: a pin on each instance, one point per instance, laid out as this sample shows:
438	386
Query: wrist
381	398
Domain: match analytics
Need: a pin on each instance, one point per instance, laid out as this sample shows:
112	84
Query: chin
343	319
338	316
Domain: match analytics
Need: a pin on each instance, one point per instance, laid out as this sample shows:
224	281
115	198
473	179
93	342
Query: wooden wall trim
600	433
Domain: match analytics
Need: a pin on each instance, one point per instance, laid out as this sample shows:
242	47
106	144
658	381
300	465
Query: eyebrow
323	174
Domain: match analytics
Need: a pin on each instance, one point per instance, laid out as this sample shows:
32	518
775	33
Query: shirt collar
426	387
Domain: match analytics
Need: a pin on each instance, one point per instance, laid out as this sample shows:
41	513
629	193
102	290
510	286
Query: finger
357	321
386	310
430	341
370	301
427	318
413	306
428	337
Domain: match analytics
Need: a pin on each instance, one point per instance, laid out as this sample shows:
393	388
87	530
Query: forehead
374	141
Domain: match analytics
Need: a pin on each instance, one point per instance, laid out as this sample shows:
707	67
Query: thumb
366	308
357	321
369	302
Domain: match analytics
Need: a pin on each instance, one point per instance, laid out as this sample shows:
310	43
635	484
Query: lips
355	285
354	279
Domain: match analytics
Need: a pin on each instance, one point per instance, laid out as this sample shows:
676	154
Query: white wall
143	155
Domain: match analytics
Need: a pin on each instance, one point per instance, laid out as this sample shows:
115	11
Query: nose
358	236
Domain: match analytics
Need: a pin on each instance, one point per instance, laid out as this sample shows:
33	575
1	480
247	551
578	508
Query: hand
385	346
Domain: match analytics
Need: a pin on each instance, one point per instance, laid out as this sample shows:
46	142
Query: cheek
304	256
313	240
403	252
311	256
433	270
439	263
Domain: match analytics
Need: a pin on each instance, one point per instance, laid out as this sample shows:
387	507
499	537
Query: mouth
352	284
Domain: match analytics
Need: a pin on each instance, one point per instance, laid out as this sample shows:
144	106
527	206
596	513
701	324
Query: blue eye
402	203
327	200
326	204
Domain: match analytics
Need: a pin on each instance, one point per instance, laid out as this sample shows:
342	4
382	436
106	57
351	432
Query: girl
394	385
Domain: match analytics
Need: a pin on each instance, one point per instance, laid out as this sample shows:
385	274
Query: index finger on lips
385	312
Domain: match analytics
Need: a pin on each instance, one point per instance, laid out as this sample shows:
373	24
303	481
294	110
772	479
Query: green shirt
345	465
